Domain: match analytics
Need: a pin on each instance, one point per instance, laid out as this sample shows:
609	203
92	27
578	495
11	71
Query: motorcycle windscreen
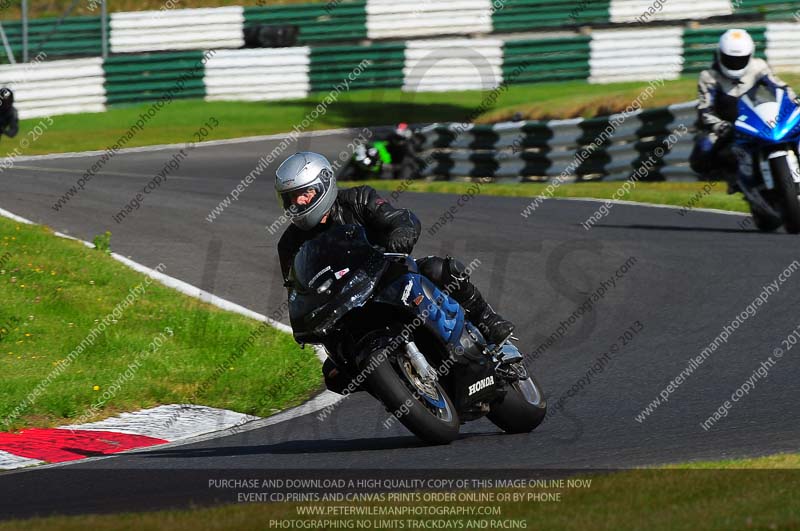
332	274
768	113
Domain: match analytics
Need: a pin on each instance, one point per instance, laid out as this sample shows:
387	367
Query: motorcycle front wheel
787	189
425	410
763	221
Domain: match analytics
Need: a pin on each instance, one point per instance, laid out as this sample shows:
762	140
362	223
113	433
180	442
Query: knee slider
457	279
456	270
433	268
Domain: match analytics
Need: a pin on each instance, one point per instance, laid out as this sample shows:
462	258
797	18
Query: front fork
765	161
794	168
420	363
747	178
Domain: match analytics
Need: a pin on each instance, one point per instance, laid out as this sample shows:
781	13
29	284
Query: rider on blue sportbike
735	73
766	144
307	191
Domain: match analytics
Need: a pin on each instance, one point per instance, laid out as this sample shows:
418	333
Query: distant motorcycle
380	160
392	330
768	131
366	163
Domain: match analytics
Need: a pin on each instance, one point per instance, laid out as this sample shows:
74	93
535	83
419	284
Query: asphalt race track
690	276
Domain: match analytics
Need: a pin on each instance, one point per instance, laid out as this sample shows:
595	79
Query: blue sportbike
766	145
405	341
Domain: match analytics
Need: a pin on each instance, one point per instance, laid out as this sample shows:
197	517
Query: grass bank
56	8
178	121
756	493
56	295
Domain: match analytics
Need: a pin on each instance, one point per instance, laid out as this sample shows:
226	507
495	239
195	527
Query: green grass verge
739	494
178	121
54	292
681	194
55	8
578	99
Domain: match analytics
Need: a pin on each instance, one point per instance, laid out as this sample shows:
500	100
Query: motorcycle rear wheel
522	409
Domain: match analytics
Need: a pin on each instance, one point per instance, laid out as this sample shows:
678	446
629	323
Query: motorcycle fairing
473	377
784	126
441	314
332	274
339	271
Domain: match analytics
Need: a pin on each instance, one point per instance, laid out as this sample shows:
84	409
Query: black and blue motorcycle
767	136
405	341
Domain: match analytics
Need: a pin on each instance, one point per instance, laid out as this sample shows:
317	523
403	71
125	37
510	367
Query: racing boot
733	185
494	328
726	175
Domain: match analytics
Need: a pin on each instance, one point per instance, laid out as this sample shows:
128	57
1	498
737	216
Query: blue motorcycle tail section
440	312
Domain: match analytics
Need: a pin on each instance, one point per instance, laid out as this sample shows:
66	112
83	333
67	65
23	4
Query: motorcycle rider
366	163
734	73
403	145
307	191
9	119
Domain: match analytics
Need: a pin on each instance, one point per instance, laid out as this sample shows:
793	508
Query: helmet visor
300	200
734	62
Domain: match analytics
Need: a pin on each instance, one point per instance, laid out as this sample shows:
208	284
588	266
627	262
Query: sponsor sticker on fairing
480	384
406	293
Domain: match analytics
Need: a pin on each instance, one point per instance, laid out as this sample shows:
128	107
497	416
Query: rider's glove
402	240
724	130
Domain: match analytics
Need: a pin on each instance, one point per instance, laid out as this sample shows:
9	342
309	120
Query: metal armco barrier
540	151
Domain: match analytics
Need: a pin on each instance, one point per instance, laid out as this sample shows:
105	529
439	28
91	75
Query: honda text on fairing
768	132
407	341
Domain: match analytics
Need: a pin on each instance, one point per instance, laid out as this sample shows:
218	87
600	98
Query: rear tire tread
515	414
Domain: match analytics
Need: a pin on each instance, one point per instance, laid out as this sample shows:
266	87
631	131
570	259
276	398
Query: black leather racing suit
363	206
403	149
9	122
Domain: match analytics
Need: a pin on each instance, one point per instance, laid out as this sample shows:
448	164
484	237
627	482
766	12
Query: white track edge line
313	405
317	403
652	205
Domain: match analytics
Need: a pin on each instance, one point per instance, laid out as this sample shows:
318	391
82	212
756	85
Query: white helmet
736	47
297	174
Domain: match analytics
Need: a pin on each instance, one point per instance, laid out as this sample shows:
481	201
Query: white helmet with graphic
736	48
